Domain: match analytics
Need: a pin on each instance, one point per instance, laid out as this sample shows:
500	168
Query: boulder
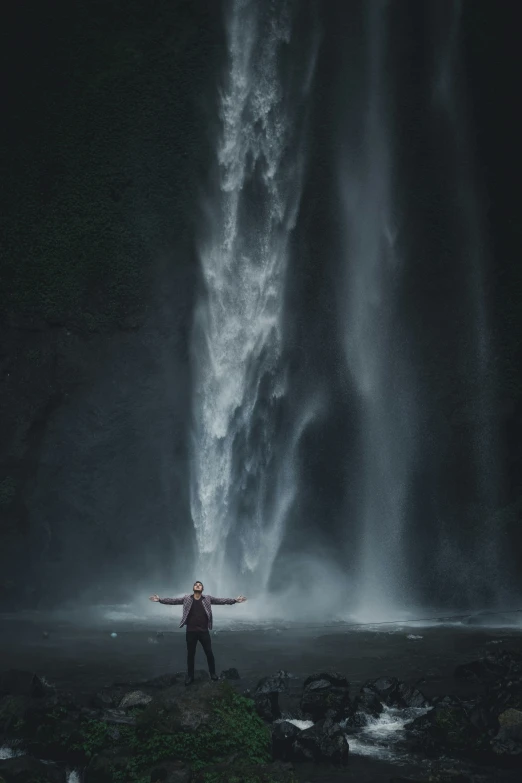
267	706
284	735
483	669
506	745
230	674
446	729
367	702
511	723
504	694
323	692
334	678
272	684
24	769
334	744
134	699
266	697
394	693
493	666
104	765
324	741
355	721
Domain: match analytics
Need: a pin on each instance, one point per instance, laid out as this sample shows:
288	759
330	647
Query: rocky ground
282	727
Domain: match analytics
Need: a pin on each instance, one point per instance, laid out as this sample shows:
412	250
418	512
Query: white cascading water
374	342
239	483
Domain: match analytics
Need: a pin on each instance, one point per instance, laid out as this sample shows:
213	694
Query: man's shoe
189	680
214	677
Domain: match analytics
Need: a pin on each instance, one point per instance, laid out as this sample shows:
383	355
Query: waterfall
374	339
242	479
479	565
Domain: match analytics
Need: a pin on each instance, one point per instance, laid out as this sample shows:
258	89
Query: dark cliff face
107	142
111	114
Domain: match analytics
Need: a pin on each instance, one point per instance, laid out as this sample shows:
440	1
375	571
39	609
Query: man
197	616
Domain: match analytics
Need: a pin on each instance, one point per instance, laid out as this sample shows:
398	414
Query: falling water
481	569
242	484
374	339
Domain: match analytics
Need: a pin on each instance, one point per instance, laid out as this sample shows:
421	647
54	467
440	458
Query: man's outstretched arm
171	601
222	601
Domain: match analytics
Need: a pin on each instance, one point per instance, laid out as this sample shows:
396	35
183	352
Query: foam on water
379	736
242	477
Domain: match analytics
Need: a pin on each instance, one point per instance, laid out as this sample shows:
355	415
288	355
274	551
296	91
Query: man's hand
154	597
240	599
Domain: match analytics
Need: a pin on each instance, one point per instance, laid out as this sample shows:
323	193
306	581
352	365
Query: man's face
198	587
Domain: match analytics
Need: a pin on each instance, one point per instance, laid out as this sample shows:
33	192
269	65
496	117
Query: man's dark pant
193	637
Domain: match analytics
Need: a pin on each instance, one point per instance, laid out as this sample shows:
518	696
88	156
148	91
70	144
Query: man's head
198	587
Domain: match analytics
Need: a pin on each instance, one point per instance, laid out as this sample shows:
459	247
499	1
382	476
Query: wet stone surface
88	662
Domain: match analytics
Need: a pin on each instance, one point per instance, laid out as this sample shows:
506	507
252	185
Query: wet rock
507	744
483	669
324	741
504	694
134	699
511	721
16	682
24	769
103	766
267	706
496	665
356	721
334	744
230	674
273	684
334	678
481	717
266	697
447	728
323	692
368	702
284	735
395	693
507	751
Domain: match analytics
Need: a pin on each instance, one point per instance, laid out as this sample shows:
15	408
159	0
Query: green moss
93	737
235	728
234	731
